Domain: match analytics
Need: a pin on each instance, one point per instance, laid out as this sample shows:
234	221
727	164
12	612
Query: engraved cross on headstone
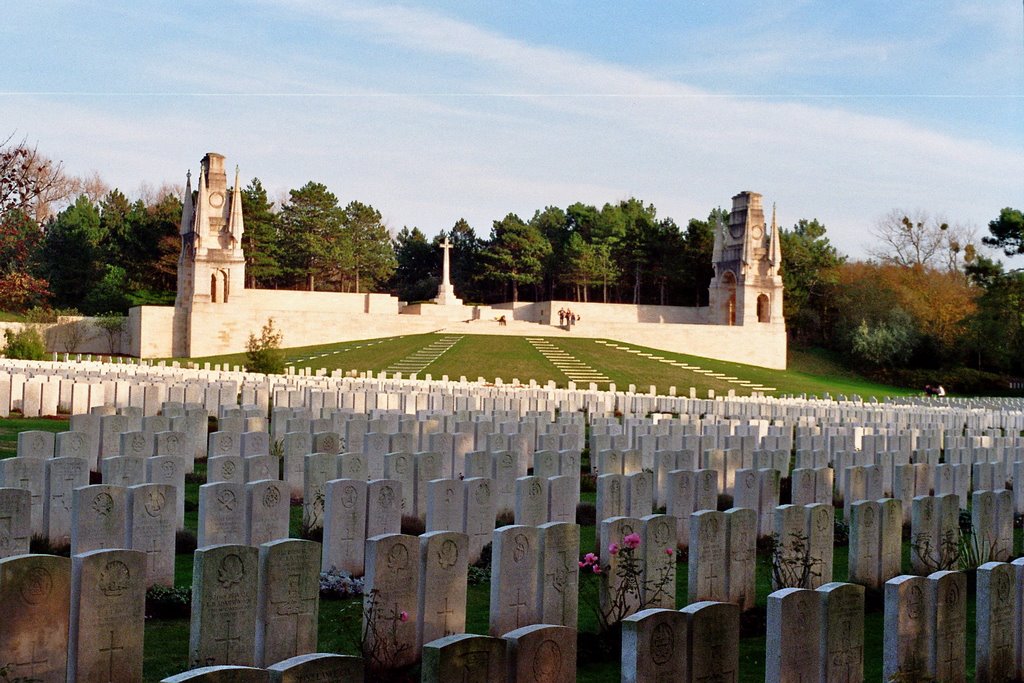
446	612
152	552
31	663
294	604
950	662
559	579
110	649
710	578
519	602
228	639
65	494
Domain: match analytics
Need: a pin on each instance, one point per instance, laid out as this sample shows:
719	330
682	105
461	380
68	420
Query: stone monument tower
746	288
211	267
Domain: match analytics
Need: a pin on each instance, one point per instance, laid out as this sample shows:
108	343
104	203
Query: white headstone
288	603
515	564
108	605
224	596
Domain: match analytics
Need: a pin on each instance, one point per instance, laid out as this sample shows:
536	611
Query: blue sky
435	111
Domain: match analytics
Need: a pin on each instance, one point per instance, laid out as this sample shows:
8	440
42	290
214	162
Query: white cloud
454	120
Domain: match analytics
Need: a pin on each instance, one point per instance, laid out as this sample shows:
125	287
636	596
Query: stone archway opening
728	284
764	309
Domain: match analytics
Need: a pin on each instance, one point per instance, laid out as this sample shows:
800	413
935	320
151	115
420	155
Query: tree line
928	297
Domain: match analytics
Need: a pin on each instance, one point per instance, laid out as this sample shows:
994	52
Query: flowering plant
626	586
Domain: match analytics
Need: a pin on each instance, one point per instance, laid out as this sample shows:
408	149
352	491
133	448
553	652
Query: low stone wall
77	334
218	329
443	314
761	345
547	312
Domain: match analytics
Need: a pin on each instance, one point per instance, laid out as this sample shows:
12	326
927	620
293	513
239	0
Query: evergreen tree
70	258
809	272
695	270
312	246
465	259
664	255
515	253
157	232
416	275
553	225
372	255
261	237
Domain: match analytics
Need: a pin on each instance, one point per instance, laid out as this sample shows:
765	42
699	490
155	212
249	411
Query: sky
453	109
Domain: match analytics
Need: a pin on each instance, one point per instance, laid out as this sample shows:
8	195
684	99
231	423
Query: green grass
10	428
511	357
362	355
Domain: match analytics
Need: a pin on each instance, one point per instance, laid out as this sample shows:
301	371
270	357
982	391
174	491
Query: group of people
567	318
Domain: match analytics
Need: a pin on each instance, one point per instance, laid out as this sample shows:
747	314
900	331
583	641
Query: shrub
504	518
792	564
337	584
886	344
169	602
45	314
26	344
309	532
110	293
113	326
70	334
21	291
955	380
263	353
840	533
41	545
478	575
484	561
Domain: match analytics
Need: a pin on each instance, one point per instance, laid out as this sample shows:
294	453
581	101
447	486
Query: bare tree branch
916	238
29	181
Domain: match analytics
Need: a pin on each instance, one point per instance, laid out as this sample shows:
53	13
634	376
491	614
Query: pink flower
590	558
583	564
613	549
668	551
404	616
632	541
596	568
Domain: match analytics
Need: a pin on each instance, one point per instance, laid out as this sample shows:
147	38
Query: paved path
567	364
316	356
417	361
685	366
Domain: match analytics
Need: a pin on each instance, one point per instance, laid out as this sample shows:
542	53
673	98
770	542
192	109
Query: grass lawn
10	428
508	357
